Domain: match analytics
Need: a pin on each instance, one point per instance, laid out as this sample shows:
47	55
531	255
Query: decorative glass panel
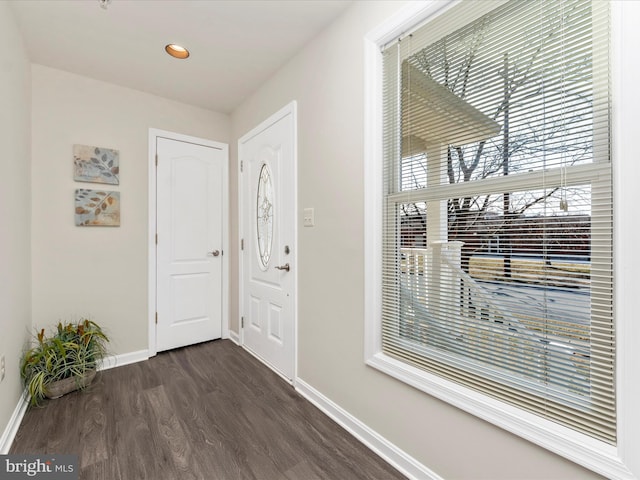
264	213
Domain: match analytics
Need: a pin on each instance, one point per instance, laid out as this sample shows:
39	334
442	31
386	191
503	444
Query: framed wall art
97	208
96	164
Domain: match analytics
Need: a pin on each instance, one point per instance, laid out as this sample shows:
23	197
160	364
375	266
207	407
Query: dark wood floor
210	411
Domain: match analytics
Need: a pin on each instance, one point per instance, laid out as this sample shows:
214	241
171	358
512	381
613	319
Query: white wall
327	80
97	271
15	270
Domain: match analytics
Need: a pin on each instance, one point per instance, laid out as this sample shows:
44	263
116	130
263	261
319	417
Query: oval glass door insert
264	213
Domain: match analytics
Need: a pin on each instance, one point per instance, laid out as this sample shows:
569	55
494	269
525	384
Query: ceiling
235	45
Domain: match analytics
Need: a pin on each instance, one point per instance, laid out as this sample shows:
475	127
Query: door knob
284	267
215	253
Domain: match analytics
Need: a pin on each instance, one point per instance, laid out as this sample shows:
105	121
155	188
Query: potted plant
64	361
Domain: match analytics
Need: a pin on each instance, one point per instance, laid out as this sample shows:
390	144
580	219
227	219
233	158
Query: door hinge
156	318
156	159
242	244
241	322
241	165
156	238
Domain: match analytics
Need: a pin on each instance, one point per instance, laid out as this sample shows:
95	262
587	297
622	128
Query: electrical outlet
2	368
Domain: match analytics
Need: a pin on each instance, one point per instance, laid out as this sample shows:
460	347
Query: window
497	211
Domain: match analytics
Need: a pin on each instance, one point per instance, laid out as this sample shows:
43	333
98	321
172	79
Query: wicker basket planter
61	387
73	347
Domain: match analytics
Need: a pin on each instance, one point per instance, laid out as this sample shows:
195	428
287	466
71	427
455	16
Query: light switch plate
309	217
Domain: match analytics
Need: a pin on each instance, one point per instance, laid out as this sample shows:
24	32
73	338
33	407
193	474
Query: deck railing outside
445	307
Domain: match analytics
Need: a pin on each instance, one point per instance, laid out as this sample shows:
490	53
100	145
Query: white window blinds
497	212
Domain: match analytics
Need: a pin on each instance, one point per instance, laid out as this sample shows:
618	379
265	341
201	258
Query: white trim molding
382	447
11	430
626	178
234	337
619	461
123	359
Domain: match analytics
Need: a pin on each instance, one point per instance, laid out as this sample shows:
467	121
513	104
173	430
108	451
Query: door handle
215	253
284	267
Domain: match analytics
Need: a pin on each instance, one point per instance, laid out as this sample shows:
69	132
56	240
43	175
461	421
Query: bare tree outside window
530	138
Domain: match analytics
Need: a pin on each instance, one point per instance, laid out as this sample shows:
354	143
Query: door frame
289	109
154	134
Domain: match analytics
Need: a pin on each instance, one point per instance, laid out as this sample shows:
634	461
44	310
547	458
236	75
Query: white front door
189	243
268	203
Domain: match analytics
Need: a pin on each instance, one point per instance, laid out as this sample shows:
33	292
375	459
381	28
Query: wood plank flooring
206	412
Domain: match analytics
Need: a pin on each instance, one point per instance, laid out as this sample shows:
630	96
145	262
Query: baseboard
14	423
234	337
393	455
123	359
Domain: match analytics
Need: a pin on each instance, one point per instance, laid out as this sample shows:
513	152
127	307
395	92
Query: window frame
613	461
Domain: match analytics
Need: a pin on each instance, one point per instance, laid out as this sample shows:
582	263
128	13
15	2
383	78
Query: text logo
50	467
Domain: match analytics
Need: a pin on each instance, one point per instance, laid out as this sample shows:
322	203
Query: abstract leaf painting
96	164
97	208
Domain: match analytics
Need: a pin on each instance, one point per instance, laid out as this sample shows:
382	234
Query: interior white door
189	243
268	201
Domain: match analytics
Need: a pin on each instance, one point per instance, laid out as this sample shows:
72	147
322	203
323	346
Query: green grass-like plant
73	350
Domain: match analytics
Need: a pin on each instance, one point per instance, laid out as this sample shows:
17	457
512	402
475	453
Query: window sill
581	449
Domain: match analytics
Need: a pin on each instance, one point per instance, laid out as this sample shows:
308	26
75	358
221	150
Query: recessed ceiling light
176	51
